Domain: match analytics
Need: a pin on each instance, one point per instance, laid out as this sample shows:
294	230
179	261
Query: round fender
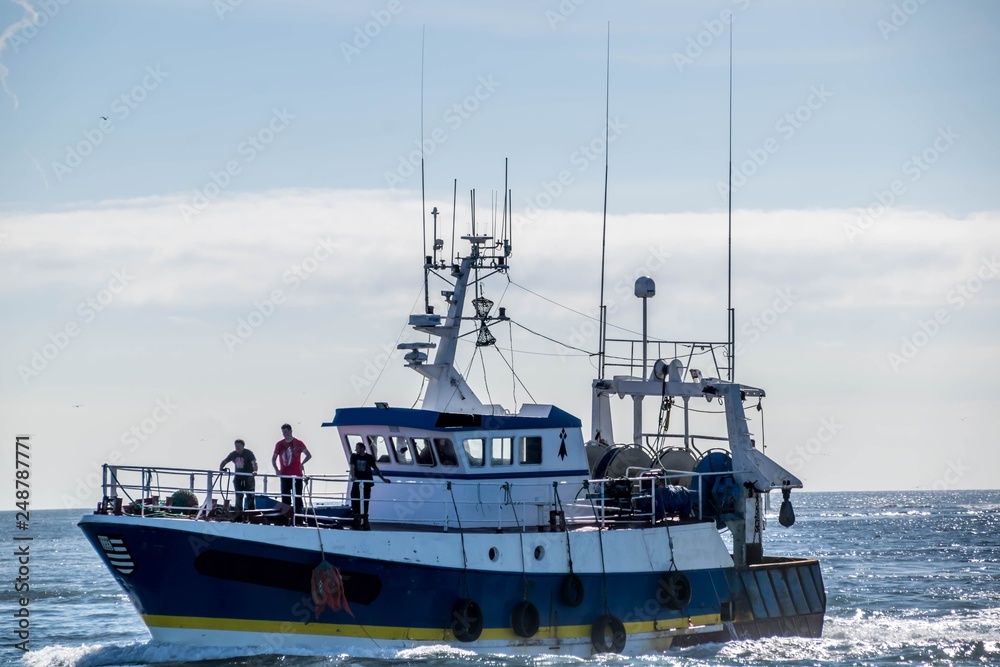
674	590
571	590
604	629
466	620
524	619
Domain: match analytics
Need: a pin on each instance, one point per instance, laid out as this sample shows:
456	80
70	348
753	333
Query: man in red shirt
287	461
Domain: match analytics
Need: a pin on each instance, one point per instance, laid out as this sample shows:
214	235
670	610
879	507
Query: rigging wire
589	317
461	535
578	349
423	383
398	338
516	377
604	220
486	381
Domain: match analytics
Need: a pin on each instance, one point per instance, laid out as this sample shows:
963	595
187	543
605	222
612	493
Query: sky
210	218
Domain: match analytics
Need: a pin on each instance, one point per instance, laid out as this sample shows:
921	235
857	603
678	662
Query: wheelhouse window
402	449
502	453
446	451
475	451
378	447
422	451
530	451
352	442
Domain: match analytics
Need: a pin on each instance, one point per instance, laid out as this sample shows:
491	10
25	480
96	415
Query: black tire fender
674	590
571	590
524	619
466	620
599	635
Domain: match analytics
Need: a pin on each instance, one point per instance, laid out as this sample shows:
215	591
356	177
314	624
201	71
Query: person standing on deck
245	467
287	461
362	465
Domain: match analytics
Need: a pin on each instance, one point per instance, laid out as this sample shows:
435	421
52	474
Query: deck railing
324	499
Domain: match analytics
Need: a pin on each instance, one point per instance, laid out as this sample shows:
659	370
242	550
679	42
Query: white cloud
825	355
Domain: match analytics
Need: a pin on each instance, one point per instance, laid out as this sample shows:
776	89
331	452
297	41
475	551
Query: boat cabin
468	470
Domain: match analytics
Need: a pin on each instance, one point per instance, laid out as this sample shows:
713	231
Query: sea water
912	578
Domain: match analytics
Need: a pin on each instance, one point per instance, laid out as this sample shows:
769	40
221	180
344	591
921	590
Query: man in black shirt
245	467
362	464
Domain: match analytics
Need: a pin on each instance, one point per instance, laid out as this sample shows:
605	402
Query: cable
486	382
589	317
514	379
589	353
423	383
518	379
707	412
461	534
386	364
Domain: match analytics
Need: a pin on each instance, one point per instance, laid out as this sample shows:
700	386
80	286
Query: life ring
599	635
466	620
524	619
674	590
571	590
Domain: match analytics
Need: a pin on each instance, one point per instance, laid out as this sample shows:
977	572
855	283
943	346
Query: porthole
539	552
494	553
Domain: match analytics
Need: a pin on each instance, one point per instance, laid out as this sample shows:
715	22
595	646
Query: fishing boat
508	531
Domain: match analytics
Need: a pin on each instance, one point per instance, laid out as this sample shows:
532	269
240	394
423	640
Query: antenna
454	207
504	228
604	224
423	190
731	314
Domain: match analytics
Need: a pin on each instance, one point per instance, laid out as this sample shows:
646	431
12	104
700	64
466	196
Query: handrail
321	492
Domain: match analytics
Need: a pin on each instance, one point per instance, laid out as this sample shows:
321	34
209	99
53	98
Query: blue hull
183	580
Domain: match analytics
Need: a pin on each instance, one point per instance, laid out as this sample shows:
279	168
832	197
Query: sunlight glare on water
912	578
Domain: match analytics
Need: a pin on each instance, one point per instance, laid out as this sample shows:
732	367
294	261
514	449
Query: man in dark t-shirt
245	467
362	465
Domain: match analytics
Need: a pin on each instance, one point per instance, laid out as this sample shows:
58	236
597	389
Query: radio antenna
423	191
454	207
729	286
604	224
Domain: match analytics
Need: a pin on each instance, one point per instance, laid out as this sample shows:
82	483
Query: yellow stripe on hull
414	634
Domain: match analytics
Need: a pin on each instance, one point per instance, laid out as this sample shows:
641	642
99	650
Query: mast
730	313
423	190
602	321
